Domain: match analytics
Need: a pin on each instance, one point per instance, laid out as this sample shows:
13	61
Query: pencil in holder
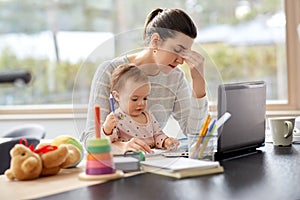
202	147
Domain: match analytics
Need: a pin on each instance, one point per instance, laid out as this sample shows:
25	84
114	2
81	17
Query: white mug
282	130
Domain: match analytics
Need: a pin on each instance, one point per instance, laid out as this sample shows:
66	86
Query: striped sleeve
189	111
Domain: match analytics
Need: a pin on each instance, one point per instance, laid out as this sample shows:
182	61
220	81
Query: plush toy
66	139
25	164
28	163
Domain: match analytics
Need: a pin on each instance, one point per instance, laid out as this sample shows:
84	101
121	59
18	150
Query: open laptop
244	132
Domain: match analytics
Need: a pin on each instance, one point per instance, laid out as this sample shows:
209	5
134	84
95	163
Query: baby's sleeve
159	138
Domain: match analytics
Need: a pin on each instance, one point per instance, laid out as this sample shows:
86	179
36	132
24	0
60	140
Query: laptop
244	132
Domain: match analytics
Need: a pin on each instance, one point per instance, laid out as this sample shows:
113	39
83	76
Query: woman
168	35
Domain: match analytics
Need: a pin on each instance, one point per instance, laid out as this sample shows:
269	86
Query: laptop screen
245	130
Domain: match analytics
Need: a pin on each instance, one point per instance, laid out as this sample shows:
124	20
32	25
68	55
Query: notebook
244	132
181	167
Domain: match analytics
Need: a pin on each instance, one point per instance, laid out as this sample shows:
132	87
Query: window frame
292	9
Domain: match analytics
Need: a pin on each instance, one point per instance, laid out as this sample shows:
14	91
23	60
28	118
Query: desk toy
99	163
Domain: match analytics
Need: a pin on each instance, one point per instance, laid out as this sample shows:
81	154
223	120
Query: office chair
26	130
5	148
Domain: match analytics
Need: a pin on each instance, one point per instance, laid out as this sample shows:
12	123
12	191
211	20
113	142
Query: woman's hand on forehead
193	59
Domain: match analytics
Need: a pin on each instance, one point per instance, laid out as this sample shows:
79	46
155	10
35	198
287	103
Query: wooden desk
272	174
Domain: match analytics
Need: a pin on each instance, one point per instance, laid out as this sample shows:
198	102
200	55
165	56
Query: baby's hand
135	144
171	144
109	124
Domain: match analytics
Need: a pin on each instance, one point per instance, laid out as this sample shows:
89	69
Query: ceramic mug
282	130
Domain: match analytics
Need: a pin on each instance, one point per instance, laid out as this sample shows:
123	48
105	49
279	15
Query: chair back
26	130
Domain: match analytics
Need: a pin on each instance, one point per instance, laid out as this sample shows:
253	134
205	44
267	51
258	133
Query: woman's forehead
181	41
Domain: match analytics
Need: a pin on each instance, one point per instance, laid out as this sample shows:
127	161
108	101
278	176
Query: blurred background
53	38
62	42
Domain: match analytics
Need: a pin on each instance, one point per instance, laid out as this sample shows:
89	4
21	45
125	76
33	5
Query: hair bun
153	14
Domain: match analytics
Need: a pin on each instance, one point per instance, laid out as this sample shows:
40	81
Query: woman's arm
189	111
195	62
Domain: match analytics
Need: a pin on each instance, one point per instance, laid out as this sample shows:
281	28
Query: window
62	43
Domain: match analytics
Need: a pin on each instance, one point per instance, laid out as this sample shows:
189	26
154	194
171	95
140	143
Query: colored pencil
201	135
210	131
216	124
205	125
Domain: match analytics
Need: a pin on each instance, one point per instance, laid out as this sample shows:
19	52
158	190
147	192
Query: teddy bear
65	156
27	164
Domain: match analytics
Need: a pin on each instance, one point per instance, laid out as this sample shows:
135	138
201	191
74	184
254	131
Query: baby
132	127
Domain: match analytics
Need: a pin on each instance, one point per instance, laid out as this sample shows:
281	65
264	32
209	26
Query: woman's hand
109	124
196	63
171	144
135	144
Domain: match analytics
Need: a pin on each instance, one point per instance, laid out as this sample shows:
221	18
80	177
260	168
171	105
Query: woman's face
132	98
169	52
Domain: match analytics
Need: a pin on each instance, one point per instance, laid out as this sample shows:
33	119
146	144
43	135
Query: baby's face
133	97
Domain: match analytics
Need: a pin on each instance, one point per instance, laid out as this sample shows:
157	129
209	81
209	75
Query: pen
182	139
211	126
111	100
112	107
222	119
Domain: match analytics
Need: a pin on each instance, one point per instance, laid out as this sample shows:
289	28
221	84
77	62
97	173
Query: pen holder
202	147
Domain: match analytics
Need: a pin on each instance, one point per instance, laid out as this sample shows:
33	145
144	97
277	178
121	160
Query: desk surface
272	174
